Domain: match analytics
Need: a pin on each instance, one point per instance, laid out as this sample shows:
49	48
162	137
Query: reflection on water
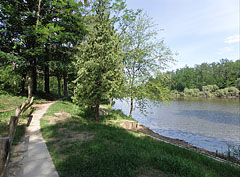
212	124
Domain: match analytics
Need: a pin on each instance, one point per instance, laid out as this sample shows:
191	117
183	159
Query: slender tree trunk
131	108
46	79
23	80
97	112
34	77
111	101
38	12
59	84
65	85
29	87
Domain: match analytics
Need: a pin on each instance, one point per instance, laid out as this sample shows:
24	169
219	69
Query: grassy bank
8	105
81	147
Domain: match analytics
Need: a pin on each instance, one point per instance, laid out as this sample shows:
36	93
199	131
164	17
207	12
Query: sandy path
32	159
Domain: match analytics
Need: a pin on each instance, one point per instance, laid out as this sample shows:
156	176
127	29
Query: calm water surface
212	124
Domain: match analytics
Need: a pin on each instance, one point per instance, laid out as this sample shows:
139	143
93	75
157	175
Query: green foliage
99	61
211	91
31	43
238	83
232	91
210	88
191	92
144	56
223	74
157	89
8	104
9	79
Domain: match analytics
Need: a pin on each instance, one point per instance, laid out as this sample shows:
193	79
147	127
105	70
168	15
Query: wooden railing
6	142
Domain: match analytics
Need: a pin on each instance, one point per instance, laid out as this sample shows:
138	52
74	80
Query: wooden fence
6	142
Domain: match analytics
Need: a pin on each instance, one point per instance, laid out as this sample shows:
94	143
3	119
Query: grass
8	105
82	147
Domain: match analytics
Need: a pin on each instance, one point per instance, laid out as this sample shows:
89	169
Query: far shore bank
207	97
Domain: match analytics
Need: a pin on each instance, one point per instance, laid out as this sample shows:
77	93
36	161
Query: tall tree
144	55
99	61
61	30
32	30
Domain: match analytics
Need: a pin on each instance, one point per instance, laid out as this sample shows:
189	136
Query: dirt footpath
30	158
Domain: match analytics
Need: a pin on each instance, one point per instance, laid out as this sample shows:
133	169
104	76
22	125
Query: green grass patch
82	147
8	105
9	102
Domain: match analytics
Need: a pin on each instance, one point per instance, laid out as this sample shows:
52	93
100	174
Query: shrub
233	91
230	91
209	88
238	83
191	92
175	93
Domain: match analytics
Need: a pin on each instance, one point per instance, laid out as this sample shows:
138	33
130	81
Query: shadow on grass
105	115
114	151
20	132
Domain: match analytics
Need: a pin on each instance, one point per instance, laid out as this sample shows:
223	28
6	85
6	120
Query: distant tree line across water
220	79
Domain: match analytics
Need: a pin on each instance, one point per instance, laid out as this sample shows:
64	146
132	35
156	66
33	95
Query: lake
212	124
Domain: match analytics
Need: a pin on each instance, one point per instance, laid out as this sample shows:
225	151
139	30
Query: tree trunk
46	78
29	87
131	108
23	80
34	77
65	85
111	101
97	112
38	12
59	85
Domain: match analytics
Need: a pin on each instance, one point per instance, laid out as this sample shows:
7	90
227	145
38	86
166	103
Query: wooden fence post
6	143
4	151
12	127
29	119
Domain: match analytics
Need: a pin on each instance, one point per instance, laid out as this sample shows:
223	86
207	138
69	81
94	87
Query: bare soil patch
152	173
83	136
8	109
59	117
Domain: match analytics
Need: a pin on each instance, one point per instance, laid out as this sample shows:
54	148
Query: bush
175	93
219	93
209	88
191	92
233	91
227	92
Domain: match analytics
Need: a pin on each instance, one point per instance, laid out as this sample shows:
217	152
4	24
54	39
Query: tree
144	55
32	30
99	61
61	29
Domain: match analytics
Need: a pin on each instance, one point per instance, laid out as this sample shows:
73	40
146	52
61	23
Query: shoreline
208	97
183	144
137	127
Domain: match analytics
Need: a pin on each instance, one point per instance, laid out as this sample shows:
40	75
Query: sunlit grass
82	147
8	105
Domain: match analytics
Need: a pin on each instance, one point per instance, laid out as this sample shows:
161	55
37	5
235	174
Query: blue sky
200	31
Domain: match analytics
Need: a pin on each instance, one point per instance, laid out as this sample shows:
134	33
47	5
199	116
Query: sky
199	31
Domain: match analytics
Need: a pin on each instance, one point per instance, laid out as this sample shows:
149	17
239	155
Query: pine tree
99	60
